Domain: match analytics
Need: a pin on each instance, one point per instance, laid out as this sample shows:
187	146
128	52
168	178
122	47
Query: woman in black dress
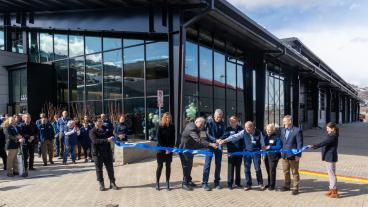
165	138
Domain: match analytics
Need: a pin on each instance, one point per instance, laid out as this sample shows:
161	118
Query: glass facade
274	96
212	80
96	74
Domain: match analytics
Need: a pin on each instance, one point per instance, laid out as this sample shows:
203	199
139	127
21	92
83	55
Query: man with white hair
215	130
191	139
253	141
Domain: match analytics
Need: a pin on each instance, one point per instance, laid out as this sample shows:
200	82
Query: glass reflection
61	68
157	72
93	44
112	75
46	50
60	46
110	43
77	79
94	77
76	45
134	72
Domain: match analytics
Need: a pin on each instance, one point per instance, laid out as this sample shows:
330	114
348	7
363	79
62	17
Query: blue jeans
207	166
69	149
257	166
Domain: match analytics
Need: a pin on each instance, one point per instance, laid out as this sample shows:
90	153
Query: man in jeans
253	141
215	130
61	123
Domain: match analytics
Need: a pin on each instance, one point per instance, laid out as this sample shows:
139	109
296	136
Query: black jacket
11	134
329	148
2	139
294	141
28	130
100	144
190	138
166	136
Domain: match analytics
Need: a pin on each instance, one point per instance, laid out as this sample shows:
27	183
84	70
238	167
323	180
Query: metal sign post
160	101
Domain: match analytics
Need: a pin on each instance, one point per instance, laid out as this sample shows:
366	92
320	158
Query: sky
335	30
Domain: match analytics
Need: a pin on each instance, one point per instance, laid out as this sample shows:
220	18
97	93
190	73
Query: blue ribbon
158	148
202	152
292	152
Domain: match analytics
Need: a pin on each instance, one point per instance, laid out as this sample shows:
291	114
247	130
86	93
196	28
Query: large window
17	40
76	76
18	85
113	75
219	81
205	81
33	46
46	49
76	45
93	77
230	89
157	71
274	96
96	74
212	80
61	69
60	46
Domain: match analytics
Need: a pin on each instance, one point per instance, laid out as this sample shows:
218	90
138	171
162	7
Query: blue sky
335	30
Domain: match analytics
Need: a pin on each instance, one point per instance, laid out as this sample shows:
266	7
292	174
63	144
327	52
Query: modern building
113	56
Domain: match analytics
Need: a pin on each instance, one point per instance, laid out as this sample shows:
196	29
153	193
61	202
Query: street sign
160	98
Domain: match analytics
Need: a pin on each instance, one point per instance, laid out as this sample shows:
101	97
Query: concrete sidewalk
76	185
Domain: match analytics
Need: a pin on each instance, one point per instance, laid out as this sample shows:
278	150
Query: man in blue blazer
292	138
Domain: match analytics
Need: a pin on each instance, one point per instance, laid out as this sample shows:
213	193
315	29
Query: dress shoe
187	187
113	185
295	192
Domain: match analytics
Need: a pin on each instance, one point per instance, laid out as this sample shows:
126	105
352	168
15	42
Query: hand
167	152
266	147
21	140
109	139
218	141
263	158
213	145
297	158
221	142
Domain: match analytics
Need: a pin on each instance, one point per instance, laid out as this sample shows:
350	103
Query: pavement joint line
339	177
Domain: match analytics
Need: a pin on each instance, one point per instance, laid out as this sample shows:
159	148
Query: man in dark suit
193	137
292	138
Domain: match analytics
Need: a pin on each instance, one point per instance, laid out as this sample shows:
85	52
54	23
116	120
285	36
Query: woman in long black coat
329	155
165	138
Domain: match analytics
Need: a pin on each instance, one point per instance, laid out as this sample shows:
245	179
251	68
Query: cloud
338	48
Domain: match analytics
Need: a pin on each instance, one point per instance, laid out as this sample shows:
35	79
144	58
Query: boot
113	185
157	186
328	193
168	186
334	193
102	186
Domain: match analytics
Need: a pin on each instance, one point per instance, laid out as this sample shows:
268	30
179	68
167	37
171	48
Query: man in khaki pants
46	132
292	138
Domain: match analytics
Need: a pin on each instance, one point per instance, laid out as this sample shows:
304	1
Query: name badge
254	142
272	141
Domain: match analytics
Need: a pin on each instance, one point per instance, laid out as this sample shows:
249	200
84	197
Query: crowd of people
63	137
